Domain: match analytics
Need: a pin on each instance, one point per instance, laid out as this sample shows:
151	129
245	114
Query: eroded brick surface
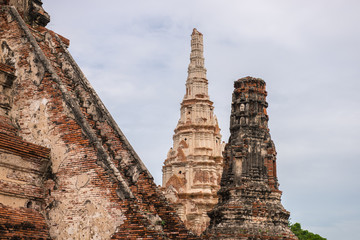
95	186
249	204
68	172
21	223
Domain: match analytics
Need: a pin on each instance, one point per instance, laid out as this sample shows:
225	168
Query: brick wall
98	186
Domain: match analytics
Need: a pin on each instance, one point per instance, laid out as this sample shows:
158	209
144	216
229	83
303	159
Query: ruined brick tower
192	170
249	199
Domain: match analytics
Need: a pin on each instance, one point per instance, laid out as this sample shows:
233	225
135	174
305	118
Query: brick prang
249	198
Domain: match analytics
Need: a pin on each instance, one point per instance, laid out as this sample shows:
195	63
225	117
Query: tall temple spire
249	186
192	170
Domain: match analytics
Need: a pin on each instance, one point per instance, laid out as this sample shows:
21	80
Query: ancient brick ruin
66	169
68	172
193	167
249	199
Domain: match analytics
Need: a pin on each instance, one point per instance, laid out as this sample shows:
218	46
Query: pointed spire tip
195	31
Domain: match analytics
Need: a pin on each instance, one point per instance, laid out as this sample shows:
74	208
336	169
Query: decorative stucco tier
192	169
249	199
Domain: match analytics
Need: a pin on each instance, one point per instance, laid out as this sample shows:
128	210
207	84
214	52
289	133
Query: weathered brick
249	199
95	180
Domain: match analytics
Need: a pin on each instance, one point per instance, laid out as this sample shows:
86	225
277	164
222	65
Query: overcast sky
136	54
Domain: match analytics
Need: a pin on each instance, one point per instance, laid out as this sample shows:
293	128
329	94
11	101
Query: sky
136	54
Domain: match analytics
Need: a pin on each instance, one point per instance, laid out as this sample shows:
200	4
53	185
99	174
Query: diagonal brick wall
97	181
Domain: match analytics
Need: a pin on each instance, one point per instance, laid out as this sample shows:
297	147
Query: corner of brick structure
30	10
63	157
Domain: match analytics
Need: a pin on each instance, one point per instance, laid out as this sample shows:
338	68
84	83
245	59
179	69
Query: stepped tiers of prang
68	172
193	167
249	199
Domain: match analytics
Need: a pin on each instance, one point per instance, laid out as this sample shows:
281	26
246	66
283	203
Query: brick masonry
95	186
68	172
249	198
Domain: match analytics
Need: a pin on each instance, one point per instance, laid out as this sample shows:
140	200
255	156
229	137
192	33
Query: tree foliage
304	234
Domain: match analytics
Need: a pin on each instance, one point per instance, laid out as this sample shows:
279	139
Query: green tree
304	234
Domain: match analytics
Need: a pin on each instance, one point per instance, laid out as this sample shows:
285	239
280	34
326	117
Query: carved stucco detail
192	170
